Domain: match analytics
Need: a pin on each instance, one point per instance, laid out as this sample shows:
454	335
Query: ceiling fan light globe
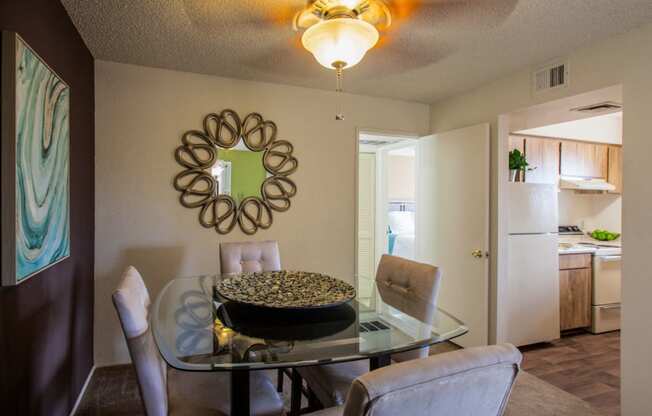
351	4
340	40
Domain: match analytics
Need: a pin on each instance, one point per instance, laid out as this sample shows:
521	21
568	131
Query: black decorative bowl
285	290
286	324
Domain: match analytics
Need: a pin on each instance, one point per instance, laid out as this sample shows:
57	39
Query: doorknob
478	254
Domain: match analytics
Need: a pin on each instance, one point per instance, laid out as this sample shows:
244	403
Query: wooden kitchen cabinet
574	261
585	160
575	291
554	157
615	175
516	142
543	157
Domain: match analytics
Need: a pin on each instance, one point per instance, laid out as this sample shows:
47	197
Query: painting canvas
36	140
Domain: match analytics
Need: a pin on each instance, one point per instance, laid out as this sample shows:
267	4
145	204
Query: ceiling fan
405	34
340	32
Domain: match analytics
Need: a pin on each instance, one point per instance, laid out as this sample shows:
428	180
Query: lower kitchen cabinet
574	296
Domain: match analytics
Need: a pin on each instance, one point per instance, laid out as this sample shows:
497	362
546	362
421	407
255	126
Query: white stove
602	249
572	240
607	275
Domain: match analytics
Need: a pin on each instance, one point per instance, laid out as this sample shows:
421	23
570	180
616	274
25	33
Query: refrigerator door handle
614	306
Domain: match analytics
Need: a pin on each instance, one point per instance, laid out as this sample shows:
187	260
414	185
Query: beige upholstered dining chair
165	391
248	257
254	256
406	285
472	382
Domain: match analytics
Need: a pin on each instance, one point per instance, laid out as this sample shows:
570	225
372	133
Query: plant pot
513	175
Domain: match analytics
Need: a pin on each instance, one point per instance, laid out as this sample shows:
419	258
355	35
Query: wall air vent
602	107
550	77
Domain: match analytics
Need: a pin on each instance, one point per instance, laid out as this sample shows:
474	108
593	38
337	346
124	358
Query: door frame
501	129
393	135
498	290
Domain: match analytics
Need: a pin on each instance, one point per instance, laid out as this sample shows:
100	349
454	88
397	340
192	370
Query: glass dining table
196	330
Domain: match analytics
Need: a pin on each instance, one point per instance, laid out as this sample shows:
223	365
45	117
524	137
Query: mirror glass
239	172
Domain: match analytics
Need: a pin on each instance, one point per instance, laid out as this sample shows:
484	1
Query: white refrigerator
531	312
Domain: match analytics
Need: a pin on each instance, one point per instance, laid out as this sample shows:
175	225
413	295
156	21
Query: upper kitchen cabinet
543	157
585	160
615	175
516	142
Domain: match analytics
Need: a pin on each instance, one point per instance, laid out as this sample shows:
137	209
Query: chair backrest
470	382
131	300
410	287
247	257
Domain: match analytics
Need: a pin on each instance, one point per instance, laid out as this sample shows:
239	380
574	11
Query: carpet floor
113	391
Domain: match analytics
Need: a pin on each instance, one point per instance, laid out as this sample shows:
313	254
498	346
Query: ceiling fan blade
452	13
212	14
287	60
389	59
424	32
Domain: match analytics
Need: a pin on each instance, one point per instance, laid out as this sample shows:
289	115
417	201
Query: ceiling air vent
551	77
373	142
599	107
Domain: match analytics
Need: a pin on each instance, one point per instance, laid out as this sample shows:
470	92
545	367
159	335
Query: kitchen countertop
572	244
576	250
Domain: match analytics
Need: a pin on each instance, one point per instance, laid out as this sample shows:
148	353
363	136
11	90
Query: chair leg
279	380
313	402
295	395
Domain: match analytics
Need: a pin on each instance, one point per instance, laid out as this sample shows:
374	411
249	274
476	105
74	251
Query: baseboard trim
83	390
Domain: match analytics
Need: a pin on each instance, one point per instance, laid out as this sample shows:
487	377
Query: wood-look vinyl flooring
582	364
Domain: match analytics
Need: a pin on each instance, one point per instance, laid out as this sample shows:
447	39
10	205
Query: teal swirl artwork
42	165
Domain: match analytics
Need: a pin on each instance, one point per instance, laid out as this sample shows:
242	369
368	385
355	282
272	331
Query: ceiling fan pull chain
339	115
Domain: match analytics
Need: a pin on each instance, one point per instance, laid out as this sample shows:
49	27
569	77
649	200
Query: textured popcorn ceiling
434	49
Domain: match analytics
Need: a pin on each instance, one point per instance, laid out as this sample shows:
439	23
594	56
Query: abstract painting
36	140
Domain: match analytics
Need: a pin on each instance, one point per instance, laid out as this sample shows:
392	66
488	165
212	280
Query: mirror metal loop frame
198	153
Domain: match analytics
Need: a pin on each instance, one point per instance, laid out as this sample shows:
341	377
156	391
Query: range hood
584	184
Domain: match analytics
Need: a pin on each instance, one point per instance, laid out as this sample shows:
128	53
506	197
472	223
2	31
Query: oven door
605	318
607	276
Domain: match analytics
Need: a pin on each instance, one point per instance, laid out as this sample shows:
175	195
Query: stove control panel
570	229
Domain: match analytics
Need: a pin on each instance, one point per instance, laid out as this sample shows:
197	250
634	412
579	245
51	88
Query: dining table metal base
240	393
313	403
379	361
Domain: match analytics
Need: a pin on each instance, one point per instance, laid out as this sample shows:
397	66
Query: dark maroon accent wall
46	323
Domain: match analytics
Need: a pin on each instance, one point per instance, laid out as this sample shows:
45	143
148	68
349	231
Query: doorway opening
428	200
572	288
386	208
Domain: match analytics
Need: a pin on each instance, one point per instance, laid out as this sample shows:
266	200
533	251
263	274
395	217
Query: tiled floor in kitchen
583	364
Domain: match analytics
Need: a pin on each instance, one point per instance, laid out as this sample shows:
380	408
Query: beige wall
591	211
141	114
637	229
626	60
400	179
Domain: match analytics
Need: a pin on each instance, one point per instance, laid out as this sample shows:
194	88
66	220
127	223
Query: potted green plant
517	165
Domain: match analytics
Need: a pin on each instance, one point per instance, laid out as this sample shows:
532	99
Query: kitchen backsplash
590	211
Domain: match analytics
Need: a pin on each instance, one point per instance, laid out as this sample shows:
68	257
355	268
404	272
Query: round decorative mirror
236	171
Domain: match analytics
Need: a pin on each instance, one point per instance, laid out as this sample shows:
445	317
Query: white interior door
453	222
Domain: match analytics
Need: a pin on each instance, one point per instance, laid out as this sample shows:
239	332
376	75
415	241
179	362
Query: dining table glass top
196	330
